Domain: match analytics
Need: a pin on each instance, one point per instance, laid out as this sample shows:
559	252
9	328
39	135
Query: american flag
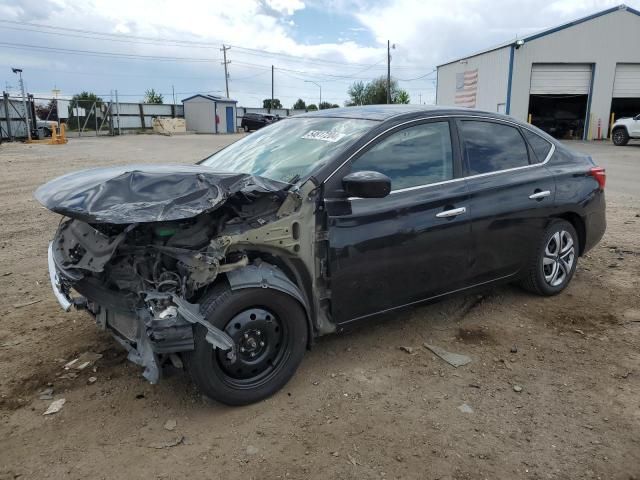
466	88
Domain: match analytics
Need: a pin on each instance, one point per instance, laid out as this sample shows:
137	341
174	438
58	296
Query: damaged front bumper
149	336
63	297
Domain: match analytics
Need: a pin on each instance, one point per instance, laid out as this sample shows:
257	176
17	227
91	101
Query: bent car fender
265	275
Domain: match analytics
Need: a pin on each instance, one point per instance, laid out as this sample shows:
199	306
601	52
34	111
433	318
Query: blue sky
134	45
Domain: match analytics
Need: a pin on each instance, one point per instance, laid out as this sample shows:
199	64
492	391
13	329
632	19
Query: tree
401	96
312	107
85	100
356	94
48	111
150	96
300	105
325	105
375	93
266	103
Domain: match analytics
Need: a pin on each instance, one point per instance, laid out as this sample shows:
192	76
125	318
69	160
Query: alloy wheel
559	256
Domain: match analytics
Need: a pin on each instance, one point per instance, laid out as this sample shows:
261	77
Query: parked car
625	129
255	121
234	266
44	128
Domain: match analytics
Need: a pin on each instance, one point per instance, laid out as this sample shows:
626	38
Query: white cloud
287	7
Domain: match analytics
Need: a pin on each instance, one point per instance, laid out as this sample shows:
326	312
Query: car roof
385	112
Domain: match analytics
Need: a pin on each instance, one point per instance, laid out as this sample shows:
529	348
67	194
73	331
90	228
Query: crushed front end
139	247
137	280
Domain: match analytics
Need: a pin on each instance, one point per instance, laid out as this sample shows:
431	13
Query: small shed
210	114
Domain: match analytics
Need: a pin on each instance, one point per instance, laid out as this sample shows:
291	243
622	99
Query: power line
119	37
129	56
417	78
72	51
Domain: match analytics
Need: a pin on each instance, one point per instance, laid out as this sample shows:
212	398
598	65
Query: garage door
560	79
627	82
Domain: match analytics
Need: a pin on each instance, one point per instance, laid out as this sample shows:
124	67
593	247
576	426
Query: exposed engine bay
142	280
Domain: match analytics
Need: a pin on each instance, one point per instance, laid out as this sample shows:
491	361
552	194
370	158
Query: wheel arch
579	224
263	274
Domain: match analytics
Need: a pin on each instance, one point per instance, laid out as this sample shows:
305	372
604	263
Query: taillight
600	175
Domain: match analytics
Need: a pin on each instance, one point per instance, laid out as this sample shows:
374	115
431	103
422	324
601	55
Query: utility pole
388	72
24	102
420	96
271	106
320	87
173	93
225	63
118	113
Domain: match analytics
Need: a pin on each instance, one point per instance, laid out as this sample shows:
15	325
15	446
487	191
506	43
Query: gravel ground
552	392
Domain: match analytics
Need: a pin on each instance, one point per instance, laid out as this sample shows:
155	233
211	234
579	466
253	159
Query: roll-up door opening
626	91
559	98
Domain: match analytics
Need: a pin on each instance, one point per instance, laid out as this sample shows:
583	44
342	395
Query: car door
511	195
634	127
409	246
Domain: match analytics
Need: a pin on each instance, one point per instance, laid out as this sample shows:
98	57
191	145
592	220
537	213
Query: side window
540	146
491	147
414	156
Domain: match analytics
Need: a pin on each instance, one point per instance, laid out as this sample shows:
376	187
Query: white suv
624	129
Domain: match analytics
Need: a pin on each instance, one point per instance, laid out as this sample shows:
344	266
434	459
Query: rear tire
620	137
269	329
554	261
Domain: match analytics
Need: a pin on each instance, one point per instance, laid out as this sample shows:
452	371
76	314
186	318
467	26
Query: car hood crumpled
146	193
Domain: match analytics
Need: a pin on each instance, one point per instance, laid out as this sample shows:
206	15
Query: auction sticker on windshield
324	135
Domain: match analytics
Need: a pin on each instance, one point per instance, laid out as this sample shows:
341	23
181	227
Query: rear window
491	147
540	146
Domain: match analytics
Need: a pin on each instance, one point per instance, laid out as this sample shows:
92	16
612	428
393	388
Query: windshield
291	149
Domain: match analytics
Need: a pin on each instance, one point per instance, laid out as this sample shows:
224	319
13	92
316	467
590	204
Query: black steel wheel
620	137
269	330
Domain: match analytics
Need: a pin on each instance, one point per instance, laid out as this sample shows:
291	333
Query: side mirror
367	184
637	117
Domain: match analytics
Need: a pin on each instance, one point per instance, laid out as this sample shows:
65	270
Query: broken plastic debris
170	425
47	394
171	443
453	359
464	408
55	406
83	361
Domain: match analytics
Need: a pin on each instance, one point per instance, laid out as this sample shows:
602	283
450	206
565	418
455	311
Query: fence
12	115
88	117
83	117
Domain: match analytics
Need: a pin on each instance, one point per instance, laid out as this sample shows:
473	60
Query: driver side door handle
454	212
539	195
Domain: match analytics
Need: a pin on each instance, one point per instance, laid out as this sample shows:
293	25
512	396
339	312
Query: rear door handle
539	195
452	213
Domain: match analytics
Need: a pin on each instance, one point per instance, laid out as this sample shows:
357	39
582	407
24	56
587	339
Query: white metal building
567	80
210	114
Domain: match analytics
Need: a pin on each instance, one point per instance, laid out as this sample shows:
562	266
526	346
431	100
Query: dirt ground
359	406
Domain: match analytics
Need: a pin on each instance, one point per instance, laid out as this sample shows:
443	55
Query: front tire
620	137
246	128
554	262
269	329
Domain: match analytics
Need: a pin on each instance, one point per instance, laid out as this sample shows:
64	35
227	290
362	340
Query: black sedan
255	121
233	266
